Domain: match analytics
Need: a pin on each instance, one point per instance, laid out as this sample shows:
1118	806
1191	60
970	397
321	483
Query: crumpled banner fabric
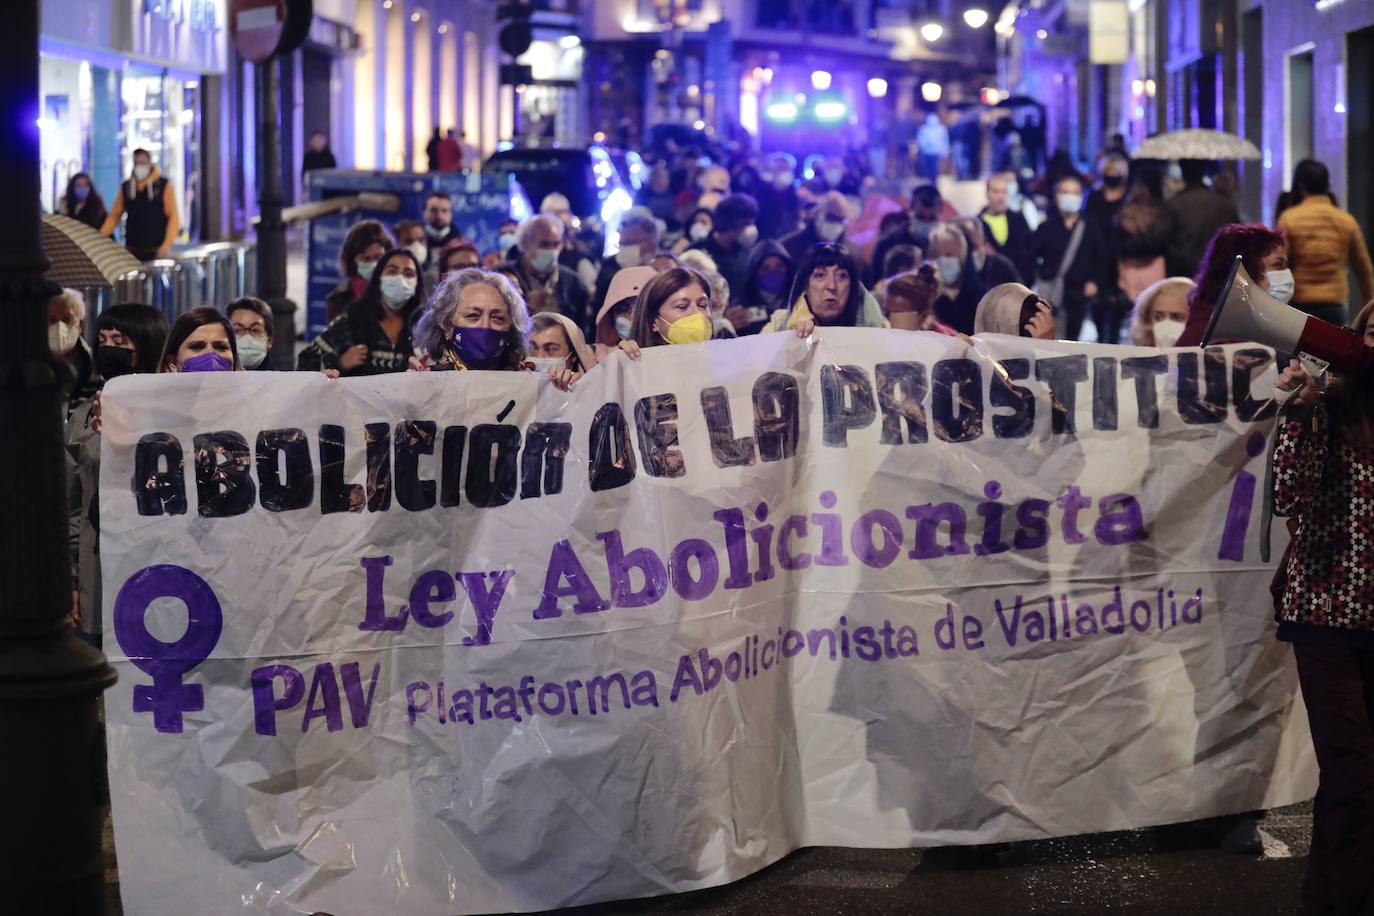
461	643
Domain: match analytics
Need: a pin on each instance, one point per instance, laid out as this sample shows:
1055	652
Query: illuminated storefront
133	75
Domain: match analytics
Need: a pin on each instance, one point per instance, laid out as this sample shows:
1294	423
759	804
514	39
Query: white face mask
252	350
1281	284
365	269
396	291
420	250
62	337
949	269
141	172
698	231
506	242
547	363
1069	204
830	229
622	327
436	232
1167	331
543	260
629	256
749	236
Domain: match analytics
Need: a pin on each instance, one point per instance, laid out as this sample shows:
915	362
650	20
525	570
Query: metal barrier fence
212	274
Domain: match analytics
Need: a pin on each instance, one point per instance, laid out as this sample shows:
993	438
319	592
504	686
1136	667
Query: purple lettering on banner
167	698
484	602
266	704
1238	511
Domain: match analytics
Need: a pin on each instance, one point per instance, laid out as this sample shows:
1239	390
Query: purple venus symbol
167	697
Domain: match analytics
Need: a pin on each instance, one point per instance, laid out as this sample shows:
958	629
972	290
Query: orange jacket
1323	241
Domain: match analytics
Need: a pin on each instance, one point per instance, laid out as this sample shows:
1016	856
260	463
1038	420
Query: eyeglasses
256	330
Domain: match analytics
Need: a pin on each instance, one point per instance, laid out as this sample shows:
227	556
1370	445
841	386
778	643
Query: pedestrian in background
251	319
733	237
150	204
1161	313
454	257
1103	210
1007	229
1198	212
372	335
363	247
66	322
1324	479
1016	310
319	155
1144	230
549	285
83	202
449	153
638	245
438	219
909	300
831	220
1069	257
766	284
933	142
1323	243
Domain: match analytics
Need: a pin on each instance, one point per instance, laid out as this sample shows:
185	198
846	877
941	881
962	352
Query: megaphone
1247	312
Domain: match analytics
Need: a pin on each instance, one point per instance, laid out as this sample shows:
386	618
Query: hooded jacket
870	314
758	303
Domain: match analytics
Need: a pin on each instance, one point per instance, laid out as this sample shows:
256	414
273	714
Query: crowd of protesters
735	246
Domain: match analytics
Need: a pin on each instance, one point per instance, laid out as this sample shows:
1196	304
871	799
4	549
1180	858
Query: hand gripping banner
461	642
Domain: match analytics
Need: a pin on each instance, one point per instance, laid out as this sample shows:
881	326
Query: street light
820	80
932	31
1041	34
877	87
931	91
976	19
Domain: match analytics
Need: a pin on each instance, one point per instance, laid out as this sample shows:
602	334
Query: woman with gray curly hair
476	319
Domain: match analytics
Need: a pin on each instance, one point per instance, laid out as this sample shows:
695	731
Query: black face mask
112	362
1113	181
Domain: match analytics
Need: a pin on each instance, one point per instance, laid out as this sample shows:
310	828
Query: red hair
1251	242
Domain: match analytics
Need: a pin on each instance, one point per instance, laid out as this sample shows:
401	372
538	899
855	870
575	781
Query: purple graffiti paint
167	697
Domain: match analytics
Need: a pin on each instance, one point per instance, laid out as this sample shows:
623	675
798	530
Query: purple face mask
208	362
478	348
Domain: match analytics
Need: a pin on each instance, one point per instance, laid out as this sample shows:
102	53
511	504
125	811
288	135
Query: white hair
432	330
1141	324
75	301
949	231
525	234
698	259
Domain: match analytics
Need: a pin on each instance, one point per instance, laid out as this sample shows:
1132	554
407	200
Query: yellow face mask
693	328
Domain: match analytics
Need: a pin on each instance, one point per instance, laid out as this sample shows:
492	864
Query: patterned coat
1329	485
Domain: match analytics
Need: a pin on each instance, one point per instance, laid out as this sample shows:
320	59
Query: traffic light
516	34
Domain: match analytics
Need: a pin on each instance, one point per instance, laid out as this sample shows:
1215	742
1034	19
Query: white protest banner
460	642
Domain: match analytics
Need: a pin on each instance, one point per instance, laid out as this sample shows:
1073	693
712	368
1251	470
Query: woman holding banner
1324	477
372	336
477	320
826	291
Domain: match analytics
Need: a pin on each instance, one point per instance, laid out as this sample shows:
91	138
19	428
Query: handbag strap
1075	239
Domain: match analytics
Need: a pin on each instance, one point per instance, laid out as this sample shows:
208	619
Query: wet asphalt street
1175	870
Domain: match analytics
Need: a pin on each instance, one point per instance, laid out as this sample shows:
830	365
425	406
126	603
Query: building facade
1295	77
376	76
755	71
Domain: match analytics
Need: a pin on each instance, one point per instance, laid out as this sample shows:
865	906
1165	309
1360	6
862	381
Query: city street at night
687	456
